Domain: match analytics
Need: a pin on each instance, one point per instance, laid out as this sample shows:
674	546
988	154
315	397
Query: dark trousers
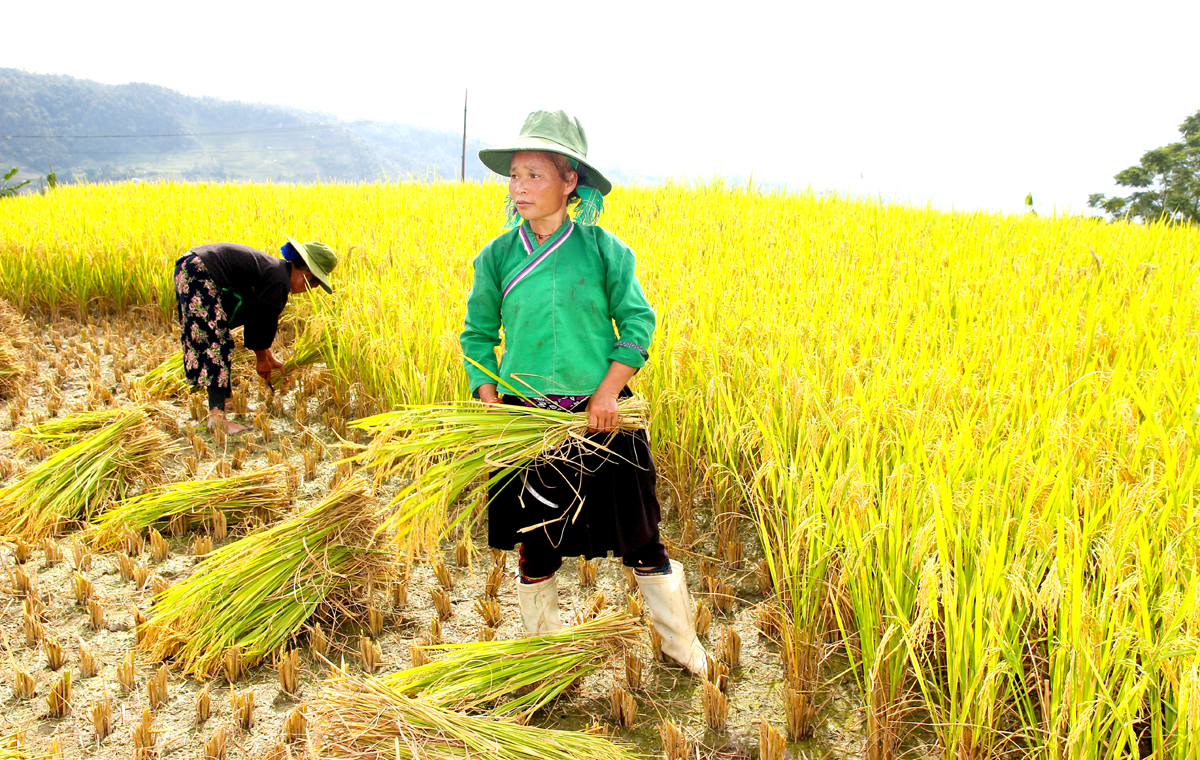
540	564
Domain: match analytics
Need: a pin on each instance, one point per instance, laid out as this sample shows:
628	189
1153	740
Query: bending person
223	285
556	286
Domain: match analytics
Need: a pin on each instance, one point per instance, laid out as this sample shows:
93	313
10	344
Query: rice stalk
23	683
260	591
295	726
236	497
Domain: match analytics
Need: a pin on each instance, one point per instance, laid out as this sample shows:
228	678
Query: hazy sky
960	104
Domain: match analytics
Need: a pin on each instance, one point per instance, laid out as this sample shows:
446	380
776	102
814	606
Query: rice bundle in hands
514	678
80	481
258	592
237	497
448	447
60	433
364	719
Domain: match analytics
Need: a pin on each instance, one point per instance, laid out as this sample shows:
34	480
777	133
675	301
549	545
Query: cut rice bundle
80	481
361	718
258	592
478	674
60	433
261	492
167	380
446	448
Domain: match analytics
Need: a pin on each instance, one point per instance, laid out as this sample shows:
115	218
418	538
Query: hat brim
499	159
321	275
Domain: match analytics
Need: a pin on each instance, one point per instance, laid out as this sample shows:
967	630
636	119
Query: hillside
180	137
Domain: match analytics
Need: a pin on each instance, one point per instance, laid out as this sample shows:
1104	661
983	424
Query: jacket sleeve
631	312
481	327
262	309
260	329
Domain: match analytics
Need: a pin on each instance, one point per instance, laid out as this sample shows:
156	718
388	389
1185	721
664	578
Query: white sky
960	104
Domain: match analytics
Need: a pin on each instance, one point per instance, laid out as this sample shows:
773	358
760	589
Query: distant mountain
159	133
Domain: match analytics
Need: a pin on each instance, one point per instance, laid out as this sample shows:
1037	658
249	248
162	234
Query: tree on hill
1167	182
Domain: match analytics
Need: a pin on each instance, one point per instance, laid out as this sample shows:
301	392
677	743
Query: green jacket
557	303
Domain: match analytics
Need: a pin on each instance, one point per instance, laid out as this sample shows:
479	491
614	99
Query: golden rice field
966	442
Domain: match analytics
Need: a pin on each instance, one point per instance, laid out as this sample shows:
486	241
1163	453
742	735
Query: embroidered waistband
555	403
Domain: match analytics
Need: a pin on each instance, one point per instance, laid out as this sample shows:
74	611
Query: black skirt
580	502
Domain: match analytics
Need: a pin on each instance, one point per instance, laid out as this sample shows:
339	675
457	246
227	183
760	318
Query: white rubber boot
539	605
673	615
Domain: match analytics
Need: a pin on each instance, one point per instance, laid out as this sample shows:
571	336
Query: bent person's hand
266	364
602	413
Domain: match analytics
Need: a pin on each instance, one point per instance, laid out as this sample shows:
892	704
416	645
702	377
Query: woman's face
303	280
536	186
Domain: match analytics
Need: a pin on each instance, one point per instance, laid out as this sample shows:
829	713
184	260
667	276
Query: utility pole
462	177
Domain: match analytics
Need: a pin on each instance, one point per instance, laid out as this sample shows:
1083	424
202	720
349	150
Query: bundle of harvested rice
486	674
166	380
262	492
58	434
364	719
258	592
447	447
78	482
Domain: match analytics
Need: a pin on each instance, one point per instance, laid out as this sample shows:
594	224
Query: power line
206	152
193	134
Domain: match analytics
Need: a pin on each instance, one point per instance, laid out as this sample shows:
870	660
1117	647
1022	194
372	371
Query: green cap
320	259
553	132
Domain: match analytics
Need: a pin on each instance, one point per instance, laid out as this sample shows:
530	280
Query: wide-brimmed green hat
553	132
320	259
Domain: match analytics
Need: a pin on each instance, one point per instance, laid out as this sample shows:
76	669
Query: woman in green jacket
556	286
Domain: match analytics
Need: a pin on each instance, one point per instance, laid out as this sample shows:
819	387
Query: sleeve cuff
629	353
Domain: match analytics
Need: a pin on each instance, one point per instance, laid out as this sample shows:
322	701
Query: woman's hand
266	363
602	412
487	394
602	407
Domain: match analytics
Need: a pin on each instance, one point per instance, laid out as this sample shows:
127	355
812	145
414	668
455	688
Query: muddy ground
69	356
